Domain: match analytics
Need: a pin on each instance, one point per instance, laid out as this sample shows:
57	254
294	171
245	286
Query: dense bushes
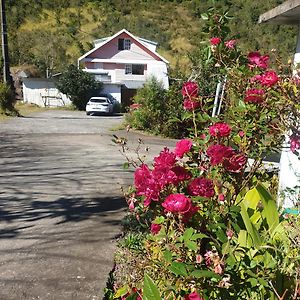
158	111
208	222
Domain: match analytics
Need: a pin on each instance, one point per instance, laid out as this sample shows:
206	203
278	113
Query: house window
127	44
124	44
128	69
134	69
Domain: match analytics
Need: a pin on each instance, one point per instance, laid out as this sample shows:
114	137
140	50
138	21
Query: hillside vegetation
53	33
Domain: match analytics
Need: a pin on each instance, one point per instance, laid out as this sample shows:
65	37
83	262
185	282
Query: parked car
99	105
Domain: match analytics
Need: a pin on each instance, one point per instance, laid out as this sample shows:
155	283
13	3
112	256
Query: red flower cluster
149	183
201	187
217	153
189	104
294	142
220	130
177	203
269	78
214	41
254	96
155	228
257	60
182	147
165	159
190	91
231	161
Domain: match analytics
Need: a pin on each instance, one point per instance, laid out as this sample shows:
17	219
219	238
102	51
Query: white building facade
123	63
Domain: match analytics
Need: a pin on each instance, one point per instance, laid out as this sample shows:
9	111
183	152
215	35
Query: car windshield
98	100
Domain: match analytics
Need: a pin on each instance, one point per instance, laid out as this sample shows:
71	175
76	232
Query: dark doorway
126	96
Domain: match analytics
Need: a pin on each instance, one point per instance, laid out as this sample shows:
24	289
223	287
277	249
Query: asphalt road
61	203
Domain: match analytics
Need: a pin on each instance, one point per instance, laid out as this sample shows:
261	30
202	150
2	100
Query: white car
99	105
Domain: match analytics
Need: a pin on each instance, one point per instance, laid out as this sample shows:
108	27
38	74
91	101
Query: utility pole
6	73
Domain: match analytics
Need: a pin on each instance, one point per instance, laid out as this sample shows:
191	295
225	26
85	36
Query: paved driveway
60	204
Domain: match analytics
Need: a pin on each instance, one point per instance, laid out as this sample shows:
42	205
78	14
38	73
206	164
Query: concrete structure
289	177
42	92
123	62
286	13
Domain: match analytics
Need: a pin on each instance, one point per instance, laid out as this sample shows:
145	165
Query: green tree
78	85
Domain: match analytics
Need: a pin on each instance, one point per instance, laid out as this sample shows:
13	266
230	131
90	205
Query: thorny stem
195	124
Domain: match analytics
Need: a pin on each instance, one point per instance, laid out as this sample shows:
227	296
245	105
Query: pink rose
294	142
163	175
193	296
220	130
229	234
254	96
201	187
255	78
190	89
199	259
190	104
217	153
221	197
183	147
256	59
236	163
146	184
177	203
269	78
230	44
218	269
155	228
241	133
215	41
165	158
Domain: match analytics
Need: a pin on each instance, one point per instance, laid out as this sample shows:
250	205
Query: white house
123	62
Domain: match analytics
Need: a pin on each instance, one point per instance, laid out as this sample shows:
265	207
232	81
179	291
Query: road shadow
64	209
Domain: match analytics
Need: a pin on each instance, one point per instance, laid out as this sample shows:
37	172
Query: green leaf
150	290
205	273
167	255
198	236
178	268
159	220
270	210
242	238
188	234
251	230
191	245
121	291
204	16
126	165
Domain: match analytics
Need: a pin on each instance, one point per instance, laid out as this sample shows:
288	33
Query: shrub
214	229
78	85
7	100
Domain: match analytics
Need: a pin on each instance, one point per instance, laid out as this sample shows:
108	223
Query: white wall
289	175
160	71
113	89
42	92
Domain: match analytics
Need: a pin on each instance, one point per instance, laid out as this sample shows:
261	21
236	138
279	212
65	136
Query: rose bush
211	229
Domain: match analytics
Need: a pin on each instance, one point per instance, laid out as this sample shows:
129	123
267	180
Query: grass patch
26	109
